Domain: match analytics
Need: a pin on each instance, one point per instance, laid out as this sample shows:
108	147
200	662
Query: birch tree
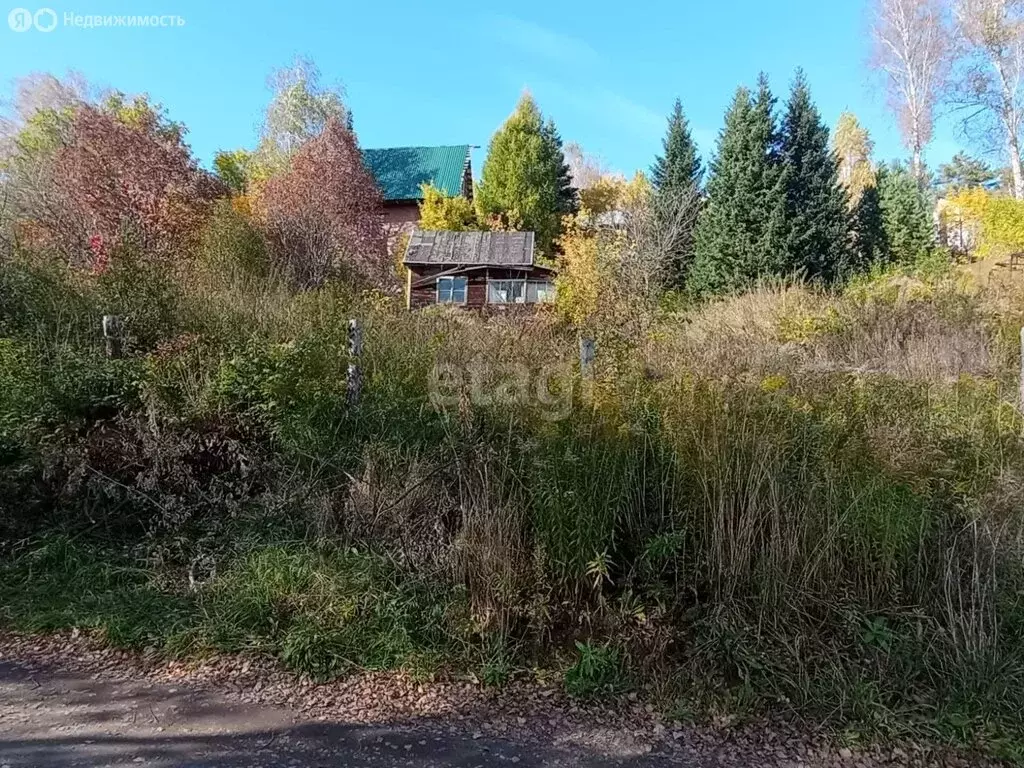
990	75
912	52
586	169
853	148
300	110
38	93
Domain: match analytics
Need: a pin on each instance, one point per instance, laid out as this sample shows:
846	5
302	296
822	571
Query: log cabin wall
423	291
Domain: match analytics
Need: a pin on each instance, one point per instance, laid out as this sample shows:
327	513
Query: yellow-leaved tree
448	212
582	274
992	226
614	193
603	269
604	195
853	147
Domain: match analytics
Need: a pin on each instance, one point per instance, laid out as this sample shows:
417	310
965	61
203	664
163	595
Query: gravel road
68	701
54	718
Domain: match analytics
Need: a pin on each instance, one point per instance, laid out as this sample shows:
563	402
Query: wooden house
494	270
400	172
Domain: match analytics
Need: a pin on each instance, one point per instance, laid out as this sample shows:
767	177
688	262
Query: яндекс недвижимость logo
22	20
46	20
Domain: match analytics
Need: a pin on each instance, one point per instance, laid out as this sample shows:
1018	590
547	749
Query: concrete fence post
1022	369
112	335
588	350
355	351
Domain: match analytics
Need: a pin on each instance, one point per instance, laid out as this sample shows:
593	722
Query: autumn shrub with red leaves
116	175
324	214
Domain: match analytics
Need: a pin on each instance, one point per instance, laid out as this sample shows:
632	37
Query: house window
506	291
520	291
451	290
540	291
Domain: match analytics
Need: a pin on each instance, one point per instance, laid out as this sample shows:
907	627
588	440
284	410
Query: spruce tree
679	164
868	242
773	199
568	200
524	181
676	177
906	215
742	225
816	242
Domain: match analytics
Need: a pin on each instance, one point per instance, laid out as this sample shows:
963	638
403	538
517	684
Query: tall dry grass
802	499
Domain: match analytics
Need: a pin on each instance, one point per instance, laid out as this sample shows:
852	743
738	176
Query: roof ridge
400	171
418	146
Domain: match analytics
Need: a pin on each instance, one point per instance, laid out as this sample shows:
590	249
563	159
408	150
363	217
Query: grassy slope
782	501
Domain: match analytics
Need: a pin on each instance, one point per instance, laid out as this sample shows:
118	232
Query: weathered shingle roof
399	171
507	249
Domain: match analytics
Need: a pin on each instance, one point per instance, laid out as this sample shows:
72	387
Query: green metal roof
400	170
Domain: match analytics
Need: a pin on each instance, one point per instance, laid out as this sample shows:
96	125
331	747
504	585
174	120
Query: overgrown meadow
764	496
788	501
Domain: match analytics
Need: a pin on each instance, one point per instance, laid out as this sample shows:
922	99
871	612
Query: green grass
598	671
325	612
790	501
322	613
56	582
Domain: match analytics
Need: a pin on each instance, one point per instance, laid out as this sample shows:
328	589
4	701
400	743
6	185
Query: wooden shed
475	269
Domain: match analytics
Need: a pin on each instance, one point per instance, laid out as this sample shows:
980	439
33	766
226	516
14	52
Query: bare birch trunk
917	165
912	51
991	73
1013	149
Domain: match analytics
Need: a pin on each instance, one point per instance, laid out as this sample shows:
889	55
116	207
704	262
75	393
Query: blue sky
449	72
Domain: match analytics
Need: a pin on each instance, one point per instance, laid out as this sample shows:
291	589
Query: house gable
399	171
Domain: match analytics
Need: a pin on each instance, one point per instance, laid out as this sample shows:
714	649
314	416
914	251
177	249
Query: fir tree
568	200
868	242
742	225
524	181
772	194
816	219
679	165
676	177
906	215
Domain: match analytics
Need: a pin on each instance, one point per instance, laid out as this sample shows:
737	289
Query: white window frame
550	284
451	291
495	282
525	282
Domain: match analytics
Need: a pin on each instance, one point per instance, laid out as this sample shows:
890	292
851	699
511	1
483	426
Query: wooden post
355	350
588	349
112	335
1022	369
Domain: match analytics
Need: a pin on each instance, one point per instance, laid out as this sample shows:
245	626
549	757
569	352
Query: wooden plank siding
423	289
